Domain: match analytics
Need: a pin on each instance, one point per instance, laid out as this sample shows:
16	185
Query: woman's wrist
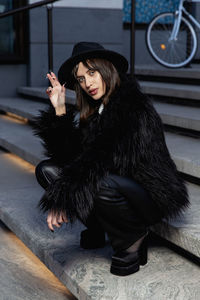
60	110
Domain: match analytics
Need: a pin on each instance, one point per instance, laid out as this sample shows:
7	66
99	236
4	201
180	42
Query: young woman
108	162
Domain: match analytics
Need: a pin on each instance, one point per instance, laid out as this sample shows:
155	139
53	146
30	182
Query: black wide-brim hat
86	50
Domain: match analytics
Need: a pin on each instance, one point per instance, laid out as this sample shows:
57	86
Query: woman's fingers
63	88
54	76
52	220
55	219
49	221
53	79
56	92
64	218
49	90
60	219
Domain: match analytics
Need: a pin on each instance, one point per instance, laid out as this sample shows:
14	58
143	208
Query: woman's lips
93	92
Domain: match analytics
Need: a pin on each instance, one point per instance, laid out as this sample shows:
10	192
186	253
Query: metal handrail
49	23
24	8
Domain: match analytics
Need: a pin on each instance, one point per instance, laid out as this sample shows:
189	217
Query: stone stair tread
176	90
40	92
184	231
17	137
86	272
179	116
158	70
171	114
21	107
178	110
185	151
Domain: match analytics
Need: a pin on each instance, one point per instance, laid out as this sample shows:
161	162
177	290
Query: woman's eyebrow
79	76
90	69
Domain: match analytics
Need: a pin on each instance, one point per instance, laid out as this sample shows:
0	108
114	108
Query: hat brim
65	72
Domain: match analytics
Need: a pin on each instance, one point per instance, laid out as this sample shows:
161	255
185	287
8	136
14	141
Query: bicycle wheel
171	53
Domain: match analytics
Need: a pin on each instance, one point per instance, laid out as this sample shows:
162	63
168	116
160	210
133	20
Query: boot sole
124	271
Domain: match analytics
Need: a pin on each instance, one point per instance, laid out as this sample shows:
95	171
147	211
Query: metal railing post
50	36
132	38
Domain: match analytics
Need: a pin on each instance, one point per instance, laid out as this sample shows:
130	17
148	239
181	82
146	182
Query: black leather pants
122	208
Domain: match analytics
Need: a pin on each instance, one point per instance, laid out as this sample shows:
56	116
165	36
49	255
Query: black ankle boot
126	263
92	240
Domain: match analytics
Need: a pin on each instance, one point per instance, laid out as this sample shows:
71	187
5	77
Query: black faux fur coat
126	139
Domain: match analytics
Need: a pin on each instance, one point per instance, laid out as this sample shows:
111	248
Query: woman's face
91	81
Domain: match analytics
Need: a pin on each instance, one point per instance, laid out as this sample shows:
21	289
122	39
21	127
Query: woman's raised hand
56	94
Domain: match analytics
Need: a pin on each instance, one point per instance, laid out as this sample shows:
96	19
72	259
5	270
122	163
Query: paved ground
22	275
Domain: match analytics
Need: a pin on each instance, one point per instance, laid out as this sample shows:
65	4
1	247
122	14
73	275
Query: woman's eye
91	72
80	80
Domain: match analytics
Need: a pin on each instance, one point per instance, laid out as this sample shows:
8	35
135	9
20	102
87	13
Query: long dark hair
109	75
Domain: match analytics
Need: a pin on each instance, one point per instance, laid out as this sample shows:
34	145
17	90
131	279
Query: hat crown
83	47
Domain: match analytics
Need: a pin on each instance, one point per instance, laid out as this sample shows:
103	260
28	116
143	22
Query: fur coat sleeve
60	134
127	138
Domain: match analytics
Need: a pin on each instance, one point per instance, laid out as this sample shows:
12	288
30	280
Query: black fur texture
126	139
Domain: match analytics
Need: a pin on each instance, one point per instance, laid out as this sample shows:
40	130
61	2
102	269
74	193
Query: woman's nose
88	82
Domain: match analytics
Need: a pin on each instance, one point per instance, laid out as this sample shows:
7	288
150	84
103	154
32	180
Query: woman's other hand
55	219
56	94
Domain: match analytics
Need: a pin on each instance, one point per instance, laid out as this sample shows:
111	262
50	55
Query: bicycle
171	38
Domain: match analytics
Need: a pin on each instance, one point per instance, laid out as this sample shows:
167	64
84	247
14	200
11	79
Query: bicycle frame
178	15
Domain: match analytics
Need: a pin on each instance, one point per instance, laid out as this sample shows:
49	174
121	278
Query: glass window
12	33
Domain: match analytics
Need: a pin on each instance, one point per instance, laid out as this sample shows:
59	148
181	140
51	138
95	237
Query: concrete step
157	70
40	92
86	272
171	114
179	116
185	230
174	90
185	153
17	137
23	275
25	108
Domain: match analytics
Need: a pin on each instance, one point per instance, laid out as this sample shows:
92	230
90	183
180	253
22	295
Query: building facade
23	37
